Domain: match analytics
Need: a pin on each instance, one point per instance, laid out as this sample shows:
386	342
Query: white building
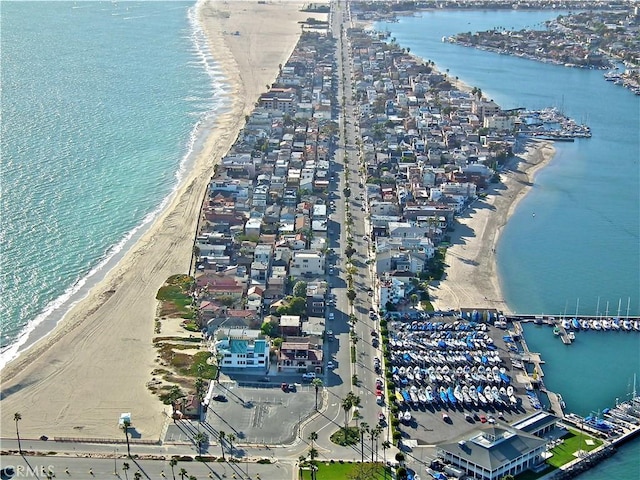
242	349
391	290
307	263
494	451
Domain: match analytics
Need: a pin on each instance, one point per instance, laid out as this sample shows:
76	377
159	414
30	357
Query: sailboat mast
628	306
619	304
598	308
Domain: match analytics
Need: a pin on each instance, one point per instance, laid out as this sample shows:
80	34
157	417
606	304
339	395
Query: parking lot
260	413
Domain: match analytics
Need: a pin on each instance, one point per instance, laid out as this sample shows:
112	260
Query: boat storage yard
454	371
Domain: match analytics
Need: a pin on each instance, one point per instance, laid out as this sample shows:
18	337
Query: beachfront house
242	350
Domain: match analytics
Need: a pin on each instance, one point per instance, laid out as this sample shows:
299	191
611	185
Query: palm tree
357	417
347	403
373	436
137	476
221	436
172	463
317	383
126	423
201	391
231	437
183	473
172	397
125	468
313	436
17	417
385	446
200	438
364	427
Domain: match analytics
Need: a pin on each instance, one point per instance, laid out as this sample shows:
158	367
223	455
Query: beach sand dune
94	366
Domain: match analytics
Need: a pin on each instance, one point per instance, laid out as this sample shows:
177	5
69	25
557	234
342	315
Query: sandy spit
471	279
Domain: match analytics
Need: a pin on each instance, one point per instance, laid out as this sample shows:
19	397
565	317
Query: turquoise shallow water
581	250
102	103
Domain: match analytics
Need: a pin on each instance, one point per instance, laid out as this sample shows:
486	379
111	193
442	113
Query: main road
337	383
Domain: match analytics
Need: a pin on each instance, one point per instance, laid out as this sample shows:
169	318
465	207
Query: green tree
222	436
125	468
172	398
385	446
172	463
350	401
125	427
300	289
183	473
317	383
414	299
364	428
16	418
231	437
201	440
313	436
351	295
201	390
137	475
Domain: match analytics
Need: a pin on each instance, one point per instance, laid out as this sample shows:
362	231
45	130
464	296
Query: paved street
265	421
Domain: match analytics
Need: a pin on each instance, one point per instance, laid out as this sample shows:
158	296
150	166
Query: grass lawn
572	442
346	471
564	453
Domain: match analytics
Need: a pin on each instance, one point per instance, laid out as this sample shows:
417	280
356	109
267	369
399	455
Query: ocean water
581	250
103	106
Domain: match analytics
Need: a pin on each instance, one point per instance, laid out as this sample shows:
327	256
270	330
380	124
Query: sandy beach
471	279
94	366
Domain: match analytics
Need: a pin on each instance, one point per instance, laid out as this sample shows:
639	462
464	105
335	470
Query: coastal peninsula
103	354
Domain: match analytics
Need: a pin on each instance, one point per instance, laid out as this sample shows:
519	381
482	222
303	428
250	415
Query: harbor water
573	242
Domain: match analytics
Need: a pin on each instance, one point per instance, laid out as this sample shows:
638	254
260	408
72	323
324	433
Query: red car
483	419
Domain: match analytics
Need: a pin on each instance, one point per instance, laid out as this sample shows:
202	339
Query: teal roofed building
242	350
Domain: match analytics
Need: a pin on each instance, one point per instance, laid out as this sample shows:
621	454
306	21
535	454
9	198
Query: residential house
307	263
242	350
299	357
289	325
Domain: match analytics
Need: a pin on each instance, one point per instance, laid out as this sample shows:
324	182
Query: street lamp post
115	461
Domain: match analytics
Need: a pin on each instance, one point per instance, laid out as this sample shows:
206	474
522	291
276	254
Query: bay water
103	106
573	243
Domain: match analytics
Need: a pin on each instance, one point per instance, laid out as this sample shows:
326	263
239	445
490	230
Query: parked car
331	316
331	365
308	376
219	398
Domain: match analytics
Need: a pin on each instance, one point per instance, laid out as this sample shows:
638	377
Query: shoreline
101	353
471	278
